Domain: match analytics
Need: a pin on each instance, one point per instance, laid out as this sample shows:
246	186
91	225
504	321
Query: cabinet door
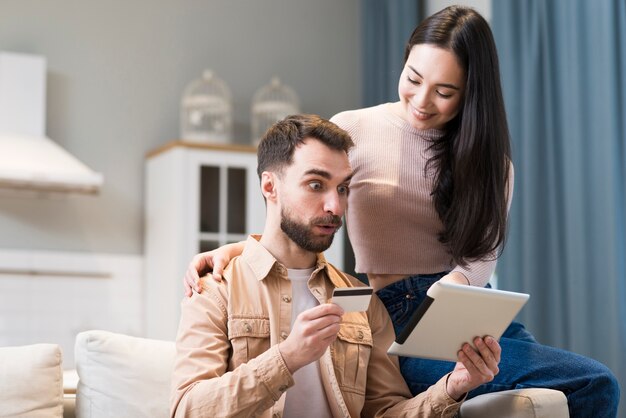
229	204
223	200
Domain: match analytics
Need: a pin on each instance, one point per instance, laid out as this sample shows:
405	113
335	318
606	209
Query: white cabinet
198	197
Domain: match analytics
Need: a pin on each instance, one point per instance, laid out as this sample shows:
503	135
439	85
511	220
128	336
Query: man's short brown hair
281	139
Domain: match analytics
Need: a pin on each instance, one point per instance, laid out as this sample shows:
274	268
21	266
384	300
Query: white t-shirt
306	399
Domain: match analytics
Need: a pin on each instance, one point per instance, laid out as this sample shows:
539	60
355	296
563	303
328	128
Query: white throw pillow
31	381
122	376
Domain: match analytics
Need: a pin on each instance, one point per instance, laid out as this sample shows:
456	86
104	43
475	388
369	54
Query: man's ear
268	185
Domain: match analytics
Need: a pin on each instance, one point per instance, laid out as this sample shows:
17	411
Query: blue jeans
591	388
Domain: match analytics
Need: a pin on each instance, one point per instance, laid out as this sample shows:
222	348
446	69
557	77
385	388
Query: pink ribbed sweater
391	218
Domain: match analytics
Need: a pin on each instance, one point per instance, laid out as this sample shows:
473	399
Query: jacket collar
262	261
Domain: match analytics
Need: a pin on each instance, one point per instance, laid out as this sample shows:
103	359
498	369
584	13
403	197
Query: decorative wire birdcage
271	103
206	110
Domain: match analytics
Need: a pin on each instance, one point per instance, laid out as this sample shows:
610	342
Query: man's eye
343	189
315	185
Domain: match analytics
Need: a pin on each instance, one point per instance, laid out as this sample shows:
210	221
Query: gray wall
116	72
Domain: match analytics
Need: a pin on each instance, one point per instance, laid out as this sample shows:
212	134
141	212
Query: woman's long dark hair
473	156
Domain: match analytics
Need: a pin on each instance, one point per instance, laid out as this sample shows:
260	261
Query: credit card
352	299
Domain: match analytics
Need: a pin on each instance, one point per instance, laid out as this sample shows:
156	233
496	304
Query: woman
432	184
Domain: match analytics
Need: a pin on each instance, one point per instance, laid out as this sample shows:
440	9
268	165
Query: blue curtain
563	65
386	27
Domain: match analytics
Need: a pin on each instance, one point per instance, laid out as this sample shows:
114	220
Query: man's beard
302	234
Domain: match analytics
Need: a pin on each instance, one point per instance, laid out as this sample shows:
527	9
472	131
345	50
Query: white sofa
122	376
31	382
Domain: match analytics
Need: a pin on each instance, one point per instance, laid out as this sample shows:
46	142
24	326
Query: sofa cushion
31	382
122	376
517	403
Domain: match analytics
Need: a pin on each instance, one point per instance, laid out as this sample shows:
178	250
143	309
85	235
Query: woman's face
431	87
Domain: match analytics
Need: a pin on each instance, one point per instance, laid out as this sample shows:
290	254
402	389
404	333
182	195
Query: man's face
313	195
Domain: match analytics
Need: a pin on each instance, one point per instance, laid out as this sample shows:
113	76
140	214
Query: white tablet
453	314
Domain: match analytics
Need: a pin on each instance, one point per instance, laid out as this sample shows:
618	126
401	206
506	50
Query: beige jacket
228	363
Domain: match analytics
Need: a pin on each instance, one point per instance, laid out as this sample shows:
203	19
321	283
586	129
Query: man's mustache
332	220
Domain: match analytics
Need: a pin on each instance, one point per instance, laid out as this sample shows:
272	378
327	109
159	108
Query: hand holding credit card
352	299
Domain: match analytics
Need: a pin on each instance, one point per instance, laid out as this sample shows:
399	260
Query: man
265	342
